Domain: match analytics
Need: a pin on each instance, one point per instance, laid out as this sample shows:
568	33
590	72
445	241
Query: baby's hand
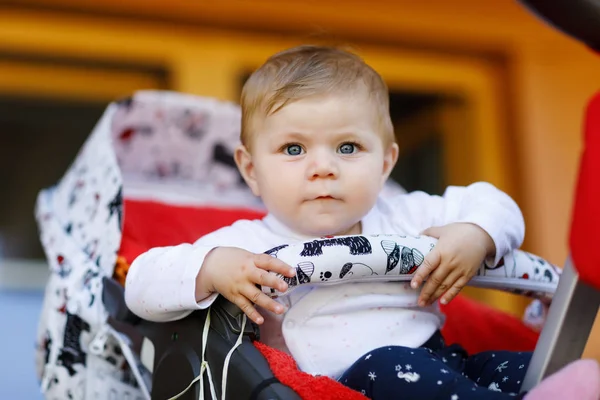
235	274
455	259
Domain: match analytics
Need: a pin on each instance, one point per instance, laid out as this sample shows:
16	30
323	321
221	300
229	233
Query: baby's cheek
280	189
366	187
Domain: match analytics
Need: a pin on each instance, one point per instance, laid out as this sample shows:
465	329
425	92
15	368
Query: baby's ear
243	159
390	157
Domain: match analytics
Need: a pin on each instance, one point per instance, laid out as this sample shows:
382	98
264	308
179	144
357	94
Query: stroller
157	170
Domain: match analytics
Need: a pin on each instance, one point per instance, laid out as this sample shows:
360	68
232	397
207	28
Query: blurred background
479	91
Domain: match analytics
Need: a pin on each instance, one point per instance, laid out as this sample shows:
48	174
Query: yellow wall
549	77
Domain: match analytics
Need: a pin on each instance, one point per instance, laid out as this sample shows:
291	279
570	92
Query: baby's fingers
454	290
435	284
265	278
273	264
447	281
430	263
246	306
257	297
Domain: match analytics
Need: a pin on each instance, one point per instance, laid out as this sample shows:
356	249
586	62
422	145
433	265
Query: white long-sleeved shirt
327	328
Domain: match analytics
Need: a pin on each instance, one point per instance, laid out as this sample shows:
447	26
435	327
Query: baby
317	147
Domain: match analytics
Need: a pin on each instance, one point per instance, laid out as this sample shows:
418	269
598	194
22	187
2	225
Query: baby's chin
325	228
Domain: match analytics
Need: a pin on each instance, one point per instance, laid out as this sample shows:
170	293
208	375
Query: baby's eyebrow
285	136
306	137
349	135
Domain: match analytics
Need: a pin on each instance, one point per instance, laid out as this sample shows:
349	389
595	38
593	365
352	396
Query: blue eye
347	148
293	150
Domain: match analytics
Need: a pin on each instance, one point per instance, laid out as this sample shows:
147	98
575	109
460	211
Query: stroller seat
493	329
157	170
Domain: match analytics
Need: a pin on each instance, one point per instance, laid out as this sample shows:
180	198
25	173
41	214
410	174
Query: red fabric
307	386
151	224
475	326
586	220
478	327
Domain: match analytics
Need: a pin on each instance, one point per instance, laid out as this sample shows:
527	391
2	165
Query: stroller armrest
113	297
176	351
395	258
226	316
226	320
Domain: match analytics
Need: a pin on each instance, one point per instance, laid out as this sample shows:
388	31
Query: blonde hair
305	71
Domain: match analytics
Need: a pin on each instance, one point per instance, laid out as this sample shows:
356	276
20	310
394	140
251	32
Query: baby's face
319	164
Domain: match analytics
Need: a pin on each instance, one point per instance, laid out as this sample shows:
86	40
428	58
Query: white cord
205	367
226	363
126	350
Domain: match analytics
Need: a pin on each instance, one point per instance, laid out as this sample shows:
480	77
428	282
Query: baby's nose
323	166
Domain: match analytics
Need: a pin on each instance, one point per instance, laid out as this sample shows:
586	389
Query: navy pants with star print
436	371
